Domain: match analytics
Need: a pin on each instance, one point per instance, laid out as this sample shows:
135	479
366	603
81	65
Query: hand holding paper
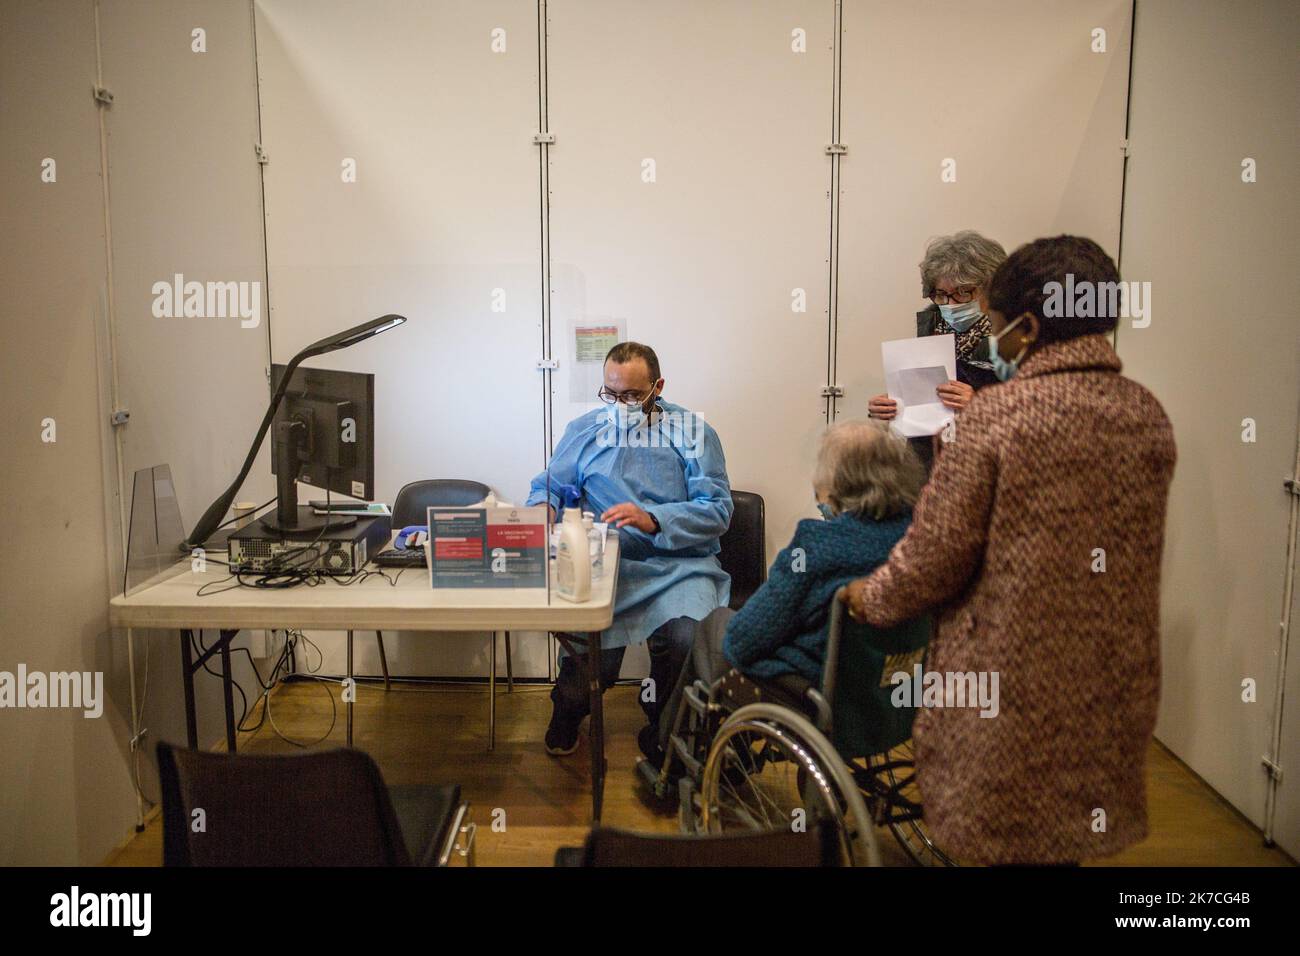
914	371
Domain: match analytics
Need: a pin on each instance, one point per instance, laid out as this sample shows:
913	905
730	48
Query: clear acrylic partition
155	535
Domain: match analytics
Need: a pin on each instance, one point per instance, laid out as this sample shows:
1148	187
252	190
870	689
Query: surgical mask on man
1004	368
634	415
961	316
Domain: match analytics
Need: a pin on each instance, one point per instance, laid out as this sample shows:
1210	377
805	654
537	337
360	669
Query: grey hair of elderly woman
865	469
965	258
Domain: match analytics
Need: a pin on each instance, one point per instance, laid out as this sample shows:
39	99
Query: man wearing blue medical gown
655	471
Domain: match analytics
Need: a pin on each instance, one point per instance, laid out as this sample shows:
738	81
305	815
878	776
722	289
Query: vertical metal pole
187	674
510	667
383	660
227	678
492	694
352	686
135	729
833	255
1283	651
1123	178
596	726
544	216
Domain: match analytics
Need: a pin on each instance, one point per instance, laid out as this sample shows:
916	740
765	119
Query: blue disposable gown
674	469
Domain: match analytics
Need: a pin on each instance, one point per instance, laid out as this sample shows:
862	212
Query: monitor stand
290	519
306	524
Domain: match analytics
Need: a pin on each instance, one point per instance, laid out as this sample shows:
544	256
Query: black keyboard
400	558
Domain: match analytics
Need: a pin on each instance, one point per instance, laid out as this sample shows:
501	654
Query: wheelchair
760	755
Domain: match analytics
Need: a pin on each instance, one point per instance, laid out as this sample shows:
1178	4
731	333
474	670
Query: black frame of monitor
308	436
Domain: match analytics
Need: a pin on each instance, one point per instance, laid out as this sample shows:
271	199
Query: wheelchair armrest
822	721
698	696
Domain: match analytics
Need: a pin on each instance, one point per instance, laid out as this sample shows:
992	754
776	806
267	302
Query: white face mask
961	316
1004	369
632	416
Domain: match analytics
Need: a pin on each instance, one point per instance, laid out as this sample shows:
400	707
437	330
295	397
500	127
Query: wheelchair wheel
898	770
769	768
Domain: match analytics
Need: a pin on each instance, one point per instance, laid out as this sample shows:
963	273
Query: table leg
596	727
227	679
187	676
352	687
510	667
492	694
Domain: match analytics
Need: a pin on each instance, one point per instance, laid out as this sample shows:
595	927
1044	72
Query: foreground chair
326	808
611	847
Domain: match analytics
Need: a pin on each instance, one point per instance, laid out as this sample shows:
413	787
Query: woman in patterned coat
1038	543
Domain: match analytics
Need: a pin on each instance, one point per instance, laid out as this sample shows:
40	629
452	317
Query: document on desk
914	369
487	547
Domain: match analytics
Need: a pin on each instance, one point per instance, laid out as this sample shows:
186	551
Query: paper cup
244	513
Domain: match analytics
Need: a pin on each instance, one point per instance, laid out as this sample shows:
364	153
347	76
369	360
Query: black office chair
744	552
612	847
417	496
411	507
327	808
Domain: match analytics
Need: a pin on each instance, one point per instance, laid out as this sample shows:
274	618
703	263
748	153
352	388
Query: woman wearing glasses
954	272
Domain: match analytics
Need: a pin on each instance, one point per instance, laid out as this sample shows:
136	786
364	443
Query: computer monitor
323	435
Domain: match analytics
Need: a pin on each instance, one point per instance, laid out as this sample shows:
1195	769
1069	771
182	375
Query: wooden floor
438	734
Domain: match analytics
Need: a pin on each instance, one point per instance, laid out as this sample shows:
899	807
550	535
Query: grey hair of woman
964	258
865	469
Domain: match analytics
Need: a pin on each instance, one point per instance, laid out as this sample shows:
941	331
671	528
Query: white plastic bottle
573	559
595	545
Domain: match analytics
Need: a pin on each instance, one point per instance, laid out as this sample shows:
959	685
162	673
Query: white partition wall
993	115
688	204
1284	822
434	106
1215	86
689	201
66	795
179	194
184	200
185	194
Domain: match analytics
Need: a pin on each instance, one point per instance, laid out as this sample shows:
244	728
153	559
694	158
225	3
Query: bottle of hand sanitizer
573	558
595	545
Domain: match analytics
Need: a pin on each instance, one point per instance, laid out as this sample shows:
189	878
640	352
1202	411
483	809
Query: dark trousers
704	662
668	647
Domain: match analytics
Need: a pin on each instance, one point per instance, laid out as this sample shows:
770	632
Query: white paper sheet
913	369
589	340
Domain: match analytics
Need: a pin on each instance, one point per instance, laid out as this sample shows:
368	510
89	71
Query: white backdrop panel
66	797
1010	90
1211	86
701	263
185	198
441	226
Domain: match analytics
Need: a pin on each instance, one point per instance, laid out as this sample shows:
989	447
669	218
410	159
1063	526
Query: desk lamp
211	519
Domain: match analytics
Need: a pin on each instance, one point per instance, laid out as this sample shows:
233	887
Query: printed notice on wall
592	340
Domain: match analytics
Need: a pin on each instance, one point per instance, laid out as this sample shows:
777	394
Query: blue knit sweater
782	628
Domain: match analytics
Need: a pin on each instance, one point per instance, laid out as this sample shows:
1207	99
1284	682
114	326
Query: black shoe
647	739
562	734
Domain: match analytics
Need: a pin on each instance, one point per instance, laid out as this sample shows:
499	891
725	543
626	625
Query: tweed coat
1066	458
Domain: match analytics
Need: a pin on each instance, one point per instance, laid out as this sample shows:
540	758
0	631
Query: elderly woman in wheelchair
783	709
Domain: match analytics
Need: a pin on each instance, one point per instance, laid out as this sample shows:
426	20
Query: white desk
170	601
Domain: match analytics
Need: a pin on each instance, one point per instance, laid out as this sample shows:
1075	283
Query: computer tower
257	549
